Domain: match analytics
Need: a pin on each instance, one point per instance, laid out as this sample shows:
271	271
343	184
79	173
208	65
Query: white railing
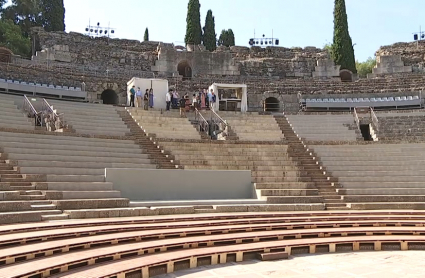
53	120
356	118
374	119
203	125
220	126
32	112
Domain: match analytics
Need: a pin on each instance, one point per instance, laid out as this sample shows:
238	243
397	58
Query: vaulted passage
109	97
272	104
184	70
346	76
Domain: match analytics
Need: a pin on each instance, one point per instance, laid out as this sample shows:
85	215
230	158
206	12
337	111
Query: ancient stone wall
412	54
98	53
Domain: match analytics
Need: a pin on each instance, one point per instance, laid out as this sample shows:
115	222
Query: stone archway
5	55
346	75
272	97
272	104
109	96
184	70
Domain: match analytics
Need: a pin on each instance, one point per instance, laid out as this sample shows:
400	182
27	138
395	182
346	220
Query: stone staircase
11	116
315	171
156	154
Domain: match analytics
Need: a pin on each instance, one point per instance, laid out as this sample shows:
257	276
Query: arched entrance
5	55
272	104
184	70
109	97
346	75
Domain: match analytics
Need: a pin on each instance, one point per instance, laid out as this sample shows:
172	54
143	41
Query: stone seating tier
384	176
323	127
252	126
155	245
164	124
269	164
11	116
91	118
63	172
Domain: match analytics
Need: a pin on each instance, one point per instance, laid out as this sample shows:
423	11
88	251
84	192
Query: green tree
342	47
146	36
364	68
328	47
53	15
193	23
25	13
209	38
12	38
227	38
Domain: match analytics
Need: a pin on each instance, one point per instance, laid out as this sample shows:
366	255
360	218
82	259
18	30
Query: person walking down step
132	95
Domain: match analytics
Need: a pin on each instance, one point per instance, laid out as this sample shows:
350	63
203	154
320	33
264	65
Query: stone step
55	217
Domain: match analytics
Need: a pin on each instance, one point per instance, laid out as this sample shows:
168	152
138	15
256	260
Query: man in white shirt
168	99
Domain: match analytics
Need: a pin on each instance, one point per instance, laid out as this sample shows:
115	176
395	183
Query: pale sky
300	23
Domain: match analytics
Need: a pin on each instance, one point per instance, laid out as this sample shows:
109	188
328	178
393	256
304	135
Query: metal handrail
32	112
203	125
57	120
220	126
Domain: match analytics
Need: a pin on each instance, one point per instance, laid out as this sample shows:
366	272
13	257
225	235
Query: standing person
182	103
151	98
213	100
194	101
132	94
175	99
146	99
210	94
139	97
168	99
203	96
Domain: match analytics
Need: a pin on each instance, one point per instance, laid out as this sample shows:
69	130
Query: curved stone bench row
106	250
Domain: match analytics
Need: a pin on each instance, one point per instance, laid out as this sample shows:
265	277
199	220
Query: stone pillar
387	64
326	68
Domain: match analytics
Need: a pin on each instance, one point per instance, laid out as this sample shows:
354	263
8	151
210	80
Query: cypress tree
193	23
146	36
53	15
227	38
209	38
342	47
230	37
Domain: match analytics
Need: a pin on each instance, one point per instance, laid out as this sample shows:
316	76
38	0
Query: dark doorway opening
109	97
365	129
184	70
5	55
346	76
272	104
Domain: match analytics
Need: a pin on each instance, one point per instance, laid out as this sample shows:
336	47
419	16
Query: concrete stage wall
167	185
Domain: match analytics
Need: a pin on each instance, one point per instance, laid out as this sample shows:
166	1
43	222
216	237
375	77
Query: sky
296	23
